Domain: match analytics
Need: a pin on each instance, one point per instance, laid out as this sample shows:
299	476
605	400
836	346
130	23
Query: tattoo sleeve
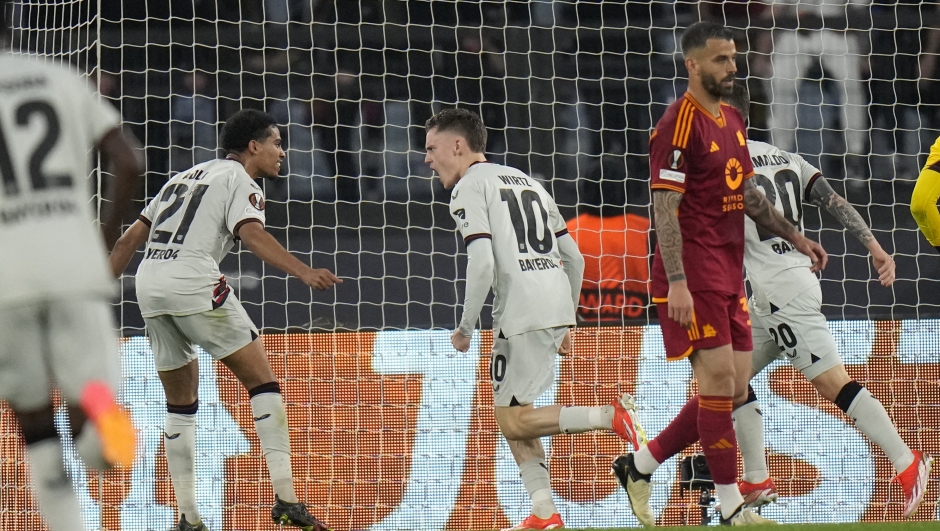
668	234
763	213
823	196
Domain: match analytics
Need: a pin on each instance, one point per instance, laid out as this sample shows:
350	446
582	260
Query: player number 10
527	229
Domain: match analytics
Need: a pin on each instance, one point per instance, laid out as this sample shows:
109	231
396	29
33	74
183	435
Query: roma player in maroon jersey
700	177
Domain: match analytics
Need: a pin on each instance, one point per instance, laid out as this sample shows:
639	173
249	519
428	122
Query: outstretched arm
267	248
665	209
823	196
765	215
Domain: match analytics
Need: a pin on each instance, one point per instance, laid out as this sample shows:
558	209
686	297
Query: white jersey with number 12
775	270
531	290
50	121
193	221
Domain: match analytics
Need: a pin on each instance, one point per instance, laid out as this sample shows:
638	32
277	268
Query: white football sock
179	441
644	461
730	498
538	484
749	431
871	419
52	486
271	424
579	419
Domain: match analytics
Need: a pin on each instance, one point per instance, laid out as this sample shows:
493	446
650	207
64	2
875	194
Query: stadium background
384	416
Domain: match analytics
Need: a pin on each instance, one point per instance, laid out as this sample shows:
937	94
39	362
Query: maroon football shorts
717	319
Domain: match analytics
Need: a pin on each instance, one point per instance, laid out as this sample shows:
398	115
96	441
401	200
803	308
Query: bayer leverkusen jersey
776	271
50	121
705	158
193	223
530	287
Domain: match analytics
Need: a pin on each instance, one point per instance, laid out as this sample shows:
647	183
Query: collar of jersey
720	120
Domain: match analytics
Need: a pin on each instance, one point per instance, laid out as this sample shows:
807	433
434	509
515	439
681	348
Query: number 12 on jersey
526	228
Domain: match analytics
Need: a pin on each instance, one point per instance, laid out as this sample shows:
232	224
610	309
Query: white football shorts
63	343
798	333
522	366
220	332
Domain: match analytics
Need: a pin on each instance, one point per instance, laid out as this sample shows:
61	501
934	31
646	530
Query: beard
715	88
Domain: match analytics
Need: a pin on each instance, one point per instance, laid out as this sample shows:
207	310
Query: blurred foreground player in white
517	243
787	321
56	325
189	227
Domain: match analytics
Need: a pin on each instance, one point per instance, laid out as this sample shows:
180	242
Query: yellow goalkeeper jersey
924	198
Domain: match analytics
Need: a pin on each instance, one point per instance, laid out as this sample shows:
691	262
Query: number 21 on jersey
170	230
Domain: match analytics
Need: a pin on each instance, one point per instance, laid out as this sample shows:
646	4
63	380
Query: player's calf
51	485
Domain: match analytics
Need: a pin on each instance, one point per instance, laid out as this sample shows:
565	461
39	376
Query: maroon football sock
681	433
717	431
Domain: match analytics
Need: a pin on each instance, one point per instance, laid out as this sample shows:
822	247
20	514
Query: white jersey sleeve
149	213
776	271
193	222
531	289
246	204
50	121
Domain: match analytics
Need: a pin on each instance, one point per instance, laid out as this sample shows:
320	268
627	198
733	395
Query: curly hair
243	127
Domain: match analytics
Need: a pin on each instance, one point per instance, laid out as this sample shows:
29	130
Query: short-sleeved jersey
50	121
530	288
616	265
194	220
705	158
776	271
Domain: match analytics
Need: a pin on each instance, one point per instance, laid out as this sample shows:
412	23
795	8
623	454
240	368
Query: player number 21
178	193
527	229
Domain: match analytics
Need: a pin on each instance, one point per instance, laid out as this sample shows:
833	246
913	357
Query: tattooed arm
765	215
669	236
823	196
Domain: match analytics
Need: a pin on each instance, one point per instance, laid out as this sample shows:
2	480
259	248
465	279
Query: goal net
390	427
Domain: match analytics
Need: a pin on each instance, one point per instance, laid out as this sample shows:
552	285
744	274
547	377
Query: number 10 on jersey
526	229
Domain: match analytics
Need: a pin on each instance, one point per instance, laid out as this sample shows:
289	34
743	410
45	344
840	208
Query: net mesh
391	429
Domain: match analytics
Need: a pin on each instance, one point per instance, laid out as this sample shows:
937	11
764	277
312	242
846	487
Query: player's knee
744	395
511	430
510	425
831	382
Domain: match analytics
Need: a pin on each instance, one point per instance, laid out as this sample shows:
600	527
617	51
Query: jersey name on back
193	222
531	290
775	270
